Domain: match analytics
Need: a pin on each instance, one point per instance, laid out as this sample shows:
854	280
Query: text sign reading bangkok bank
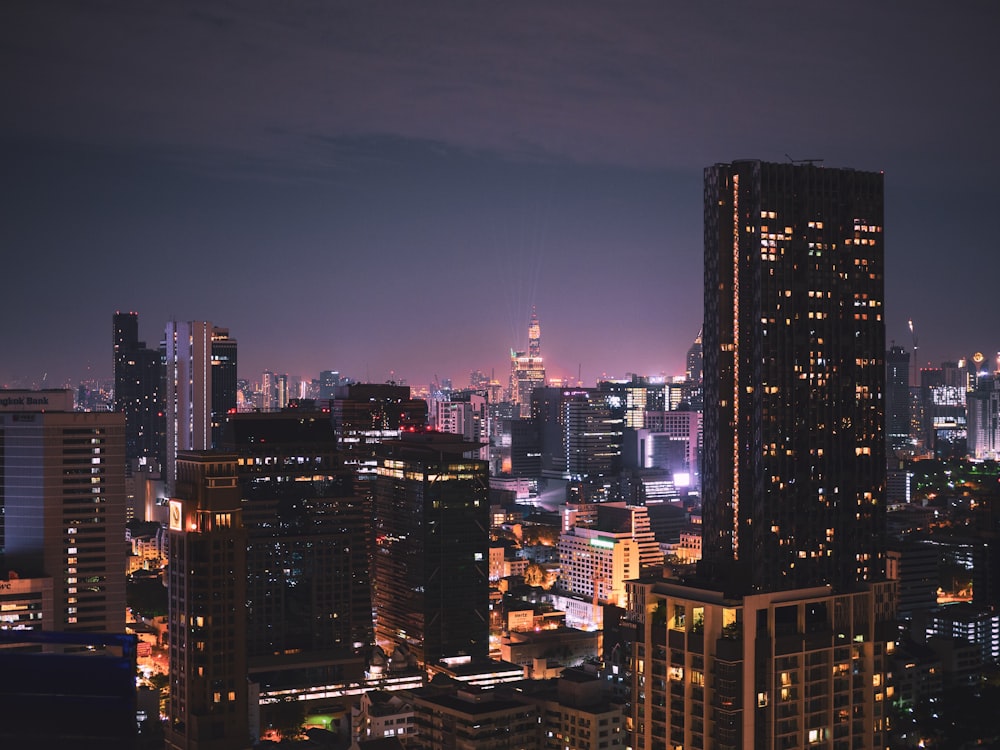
47	400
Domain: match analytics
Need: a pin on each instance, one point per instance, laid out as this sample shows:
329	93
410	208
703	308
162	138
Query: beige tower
207	593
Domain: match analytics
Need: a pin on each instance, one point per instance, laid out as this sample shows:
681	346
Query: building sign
176	515
602	543
47	400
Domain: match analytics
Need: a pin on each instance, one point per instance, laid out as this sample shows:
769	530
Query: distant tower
224	385
695	359
897	398
207	606
200	362
534	336
138	389
527	371
328	381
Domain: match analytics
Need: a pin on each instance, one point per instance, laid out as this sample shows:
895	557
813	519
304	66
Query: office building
464	413
431	556
308	591
225	385
200	387
62	494
983	418
366	414
794	339
581	434
207	617
138	390
328	382
695	361
897	398
943	393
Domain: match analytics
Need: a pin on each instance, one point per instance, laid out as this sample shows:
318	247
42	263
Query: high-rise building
464	413
784	638
138	389
794	338
366	414
983	418
206	591
897	398
695	361
430	567
62	506
328	381
224	381
308	626
581	435
200	386
527	369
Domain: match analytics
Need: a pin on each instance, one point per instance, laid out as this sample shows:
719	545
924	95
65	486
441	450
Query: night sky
386	188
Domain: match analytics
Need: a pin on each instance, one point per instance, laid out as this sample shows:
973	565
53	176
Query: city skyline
388	190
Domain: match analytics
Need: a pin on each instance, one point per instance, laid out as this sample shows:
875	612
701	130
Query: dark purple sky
388	187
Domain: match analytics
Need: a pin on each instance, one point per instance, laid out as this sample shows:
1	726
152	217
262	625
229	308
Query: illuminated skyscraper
534	336
200	362
794	339
527	371
784	638
695	361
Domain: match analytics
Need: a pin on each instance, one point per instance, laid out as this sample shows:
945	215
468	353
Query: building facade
897	398
199	387
308	591
207	606
138	390
527	370
790	669
431	553
62	493
794	340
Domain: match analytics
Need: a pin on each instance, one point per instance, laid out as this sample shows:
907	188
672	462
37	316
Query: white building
597	563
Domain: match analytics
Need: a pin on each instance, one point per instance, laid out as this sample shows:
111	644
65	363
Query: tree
286	717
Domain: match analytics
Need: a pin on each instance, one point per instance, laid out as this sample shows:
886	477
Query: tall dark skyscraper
224	386
784	639
431	547
897	398
309	614
138	389
794	342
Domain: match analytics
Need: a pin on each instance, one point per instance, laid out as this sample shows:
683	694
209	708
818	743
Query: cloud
637	84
